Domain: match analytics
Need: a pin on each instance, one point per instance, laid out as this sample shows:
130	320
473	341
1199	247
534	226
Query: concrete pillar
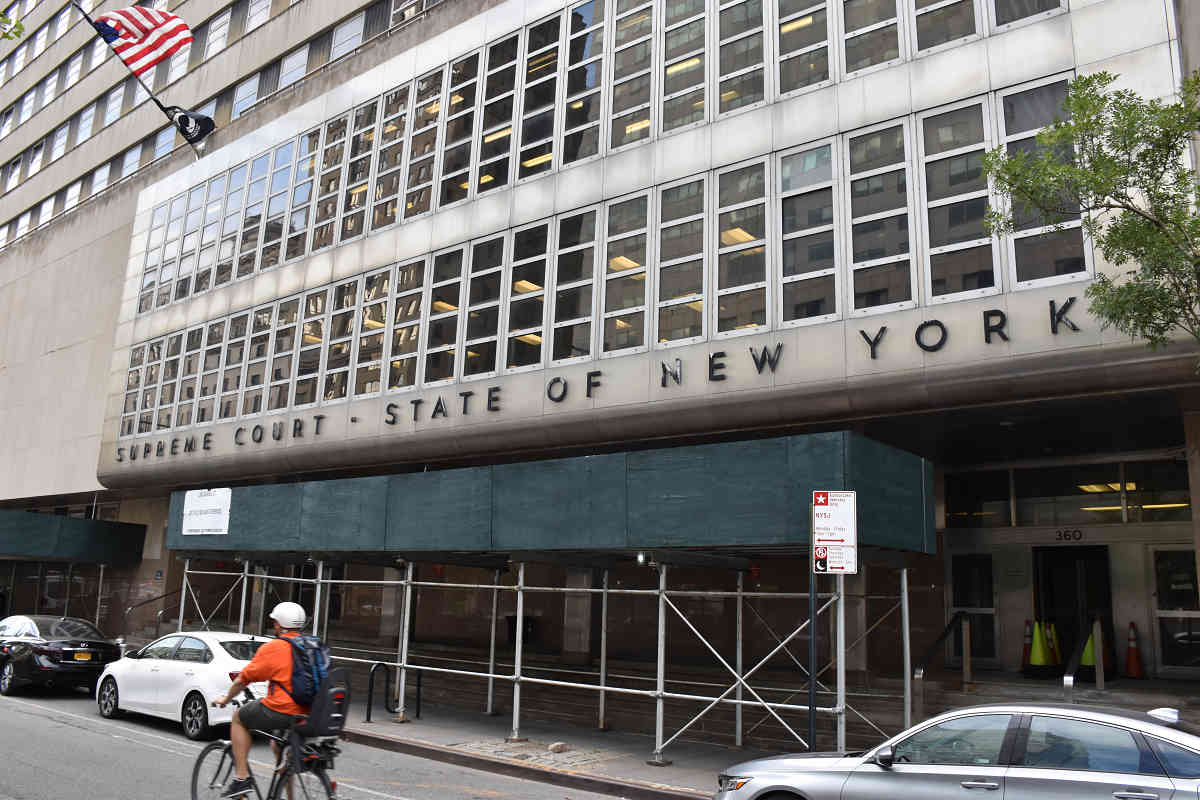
856	620
577	618
393	600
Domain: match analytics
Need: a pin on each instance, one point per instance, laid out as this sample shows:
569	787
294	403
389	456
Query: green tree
1121	162
10	28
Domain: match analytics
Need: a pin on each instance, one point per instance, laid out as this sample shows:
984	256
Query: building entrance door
1176	610
1072	586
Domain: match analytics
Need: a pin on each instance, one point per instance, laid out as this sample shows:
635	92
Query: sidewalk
612	762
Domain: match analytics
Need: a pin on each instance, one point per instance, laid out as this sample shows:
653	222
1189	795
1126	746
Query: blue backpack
310	665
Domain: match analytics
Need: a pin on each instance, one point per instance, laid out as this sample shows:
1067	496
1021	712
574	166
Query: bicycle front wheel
213	770
309	785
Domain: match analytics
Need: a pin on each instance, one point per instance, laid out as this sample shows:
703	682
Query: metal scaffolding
831	604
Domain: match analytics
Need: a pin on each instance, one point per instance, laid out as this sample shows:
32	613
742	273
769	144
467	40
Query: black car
52	651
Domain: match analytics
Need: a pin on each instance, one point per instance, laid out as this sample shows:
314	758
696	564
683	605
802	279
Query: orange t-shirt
273	662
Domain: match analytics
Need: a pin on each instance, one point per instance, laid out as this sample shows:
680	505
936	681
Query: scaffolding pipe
841	664
491	698
737	736
183	593
67	598
99	594
316	617
405	616
906	645
245	581
659	684
603	649
515	736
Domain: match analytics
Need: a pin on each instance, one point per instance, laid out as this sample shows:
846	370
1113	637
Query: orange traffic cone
1028	644
1133	656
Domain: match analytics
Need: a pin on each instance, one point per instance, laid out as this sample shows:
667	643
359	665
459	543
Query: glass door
1176	609
972	591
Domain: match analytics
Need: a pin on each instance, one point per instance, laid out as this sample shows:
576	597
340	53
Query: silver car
1017	752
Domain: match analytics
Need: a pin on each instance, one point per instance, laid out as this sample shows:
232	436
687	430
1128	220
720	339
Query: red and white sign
835	533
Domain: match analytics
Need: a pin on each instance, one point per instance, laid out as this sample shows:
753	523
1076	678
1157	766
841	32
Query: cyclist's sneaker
239	787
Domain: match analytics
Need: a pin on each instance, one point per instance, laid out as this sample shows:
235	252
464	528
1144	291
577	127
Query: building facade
472	234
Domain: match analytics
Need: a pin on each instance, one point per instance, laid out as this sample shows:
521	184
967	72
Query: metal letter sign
835	533
206	512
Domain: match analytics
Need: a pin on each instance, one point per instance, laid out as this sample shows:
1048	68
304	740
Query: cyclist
272	662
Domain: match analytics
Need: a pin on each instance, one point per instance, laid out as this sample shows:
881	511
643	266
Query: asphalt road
54	745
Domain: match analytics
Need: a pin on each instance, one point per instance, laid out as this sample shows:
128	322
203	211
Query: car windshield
242	649
66	628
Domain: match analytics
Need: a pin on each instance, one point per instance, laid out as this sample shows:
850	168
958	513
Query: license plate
83	656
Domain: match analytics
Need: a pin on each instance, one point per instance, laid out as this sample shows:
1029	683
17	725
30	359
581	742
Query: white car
177	677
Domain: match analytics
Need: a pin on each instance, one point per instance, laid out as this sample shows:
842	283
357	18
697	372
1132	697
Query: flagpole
138	78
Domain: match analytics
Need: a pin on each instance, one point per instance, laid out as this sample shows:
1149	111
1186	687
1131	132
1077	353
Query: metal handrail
1097	638
960	619
158	618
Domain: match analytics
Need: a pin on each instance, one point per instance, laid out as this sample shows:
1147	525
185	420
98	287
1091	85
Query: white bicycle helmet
289	615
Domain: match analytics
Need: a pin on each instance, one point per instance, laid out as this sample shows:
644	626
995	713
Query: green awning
27	536
748	494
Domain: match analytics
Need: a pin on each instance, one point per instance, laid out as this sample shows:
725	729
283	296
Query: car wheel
108	699
8	678
195	717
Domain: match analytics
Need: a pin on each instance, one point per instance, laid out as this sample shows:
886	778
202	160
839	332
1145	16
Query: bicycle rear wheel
309	785
214	768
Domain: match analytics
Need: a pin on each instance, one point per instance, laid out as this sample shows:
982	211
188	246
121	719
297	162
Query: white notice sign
206	512
835	533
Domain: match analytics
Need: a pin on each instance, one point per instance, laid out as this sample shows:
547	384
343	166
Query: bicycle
299	762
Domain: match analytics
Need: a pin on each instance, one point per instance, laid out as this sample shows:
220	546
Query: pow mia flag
193	126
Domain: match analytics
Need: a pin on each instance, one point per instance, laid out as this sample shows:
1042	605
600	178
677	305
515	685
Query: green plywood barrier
49	537
749	493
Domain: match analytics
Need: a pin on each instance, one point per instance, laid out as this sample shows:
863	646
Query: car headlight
731	783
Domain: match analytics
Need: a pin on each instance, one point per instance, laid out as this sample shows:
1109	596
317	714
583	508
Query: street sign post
834	533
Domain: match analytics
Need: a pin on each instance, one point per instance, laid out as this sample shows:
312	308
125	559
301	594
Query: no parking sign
834	533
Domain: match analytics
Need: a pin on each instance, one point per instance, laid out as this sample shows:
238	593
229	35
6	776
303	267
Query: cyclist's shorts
257	717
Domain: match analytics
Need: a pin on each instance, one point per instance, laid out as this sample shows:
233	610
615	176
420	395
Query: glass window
971	578
1057	743
218	33
977	499
625	279
293	66
939	21
632	63
1012	10
194	650
178	65
871	35
1041	248
803	44
681	262
526	302
966	741
807	222
1073	494
245	95
740	54
585	69
1179	763
258	13
242	650
574	275
1158	491
879	203
960	256
347	36
163	648
460	128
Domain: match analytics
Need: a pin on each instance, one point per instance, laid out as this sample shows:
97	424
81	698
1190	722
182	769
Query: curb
586	781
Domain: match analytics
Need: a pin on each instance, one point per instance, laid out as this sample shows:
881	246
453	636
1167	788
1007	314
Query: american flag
141	36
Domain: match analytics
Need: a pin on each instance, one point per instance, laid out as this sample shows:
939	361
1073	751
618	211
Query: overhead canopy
28	536
730	495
